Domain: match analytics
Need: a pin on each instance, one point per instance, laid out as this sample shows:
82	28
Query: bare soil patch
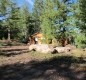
39	66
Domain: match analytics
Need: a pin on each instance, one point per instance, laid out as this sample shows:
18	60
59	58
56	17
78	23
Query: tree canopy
54	18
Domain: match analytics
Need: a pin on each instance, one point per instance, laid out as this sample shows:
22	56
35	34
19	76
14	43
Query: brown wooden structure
40	37
36	38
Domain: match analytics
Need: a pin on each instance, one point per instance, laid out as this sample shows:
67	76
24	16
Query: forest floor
39	66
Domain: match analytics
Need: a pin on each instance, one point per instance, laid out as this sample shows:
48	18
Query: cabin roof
37	35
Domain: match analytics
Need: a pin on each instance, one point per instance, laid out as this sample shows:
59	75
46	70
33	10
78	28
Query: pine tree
3	7
81	23
47	18
5	10
11	17
82	15
37	12
24	21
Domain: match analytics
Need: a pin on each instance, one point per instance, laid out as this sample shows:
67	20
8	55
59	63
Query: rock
43	48
31	47
71	46
62	49
54	51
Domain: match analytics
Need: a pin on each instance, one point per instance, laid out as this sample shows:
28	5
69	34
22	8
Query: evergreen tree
11	22
3	7
11	18
47	18
5	10
24	21
82	15
37	12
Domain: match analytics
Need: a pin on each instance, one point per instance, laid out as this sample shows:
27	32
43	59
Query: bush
80	41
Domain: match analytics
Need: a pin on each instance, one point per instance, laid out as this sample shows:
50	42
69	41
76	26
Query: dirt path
21	58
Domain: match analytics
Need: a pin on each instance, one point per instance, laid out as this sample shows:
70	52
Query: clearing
39	66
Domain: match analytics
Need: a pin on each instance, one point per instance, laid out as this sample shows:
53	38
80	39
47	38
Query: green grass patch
38	55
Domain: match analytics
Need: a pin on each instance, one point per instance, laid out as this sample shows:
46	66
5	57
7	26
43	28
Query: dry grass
78	53
73	53
47	56
38	55
39	66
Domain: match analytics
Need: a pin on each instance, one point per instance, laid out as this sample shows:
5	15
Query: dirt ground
29	66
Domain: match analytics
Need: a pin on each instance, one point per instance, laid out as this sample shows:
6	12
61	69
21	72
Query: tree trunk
8	34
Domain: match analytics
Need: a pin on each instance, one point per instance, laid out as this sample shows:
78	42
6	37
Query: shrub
80	41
